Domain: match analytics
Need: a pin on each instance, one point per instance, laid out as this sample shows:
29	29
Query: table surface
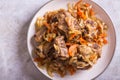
15	62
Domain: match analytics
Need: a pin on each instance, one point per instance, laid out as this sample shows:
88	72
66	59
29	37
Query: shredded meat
39	35
62	49
72	22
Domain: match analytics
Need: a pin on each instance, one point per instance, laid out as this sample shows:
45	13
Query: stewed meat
60	47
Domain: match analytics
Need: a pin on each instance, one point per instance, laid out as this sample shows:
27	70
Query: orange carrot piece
92	57
72	36
72	49
103	35
82	41
92	12
72	71
50	39
81	14
87	5
47	25
105	41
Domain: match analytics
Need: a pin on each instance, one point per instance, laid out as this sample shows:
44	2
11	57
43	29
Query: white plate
107	52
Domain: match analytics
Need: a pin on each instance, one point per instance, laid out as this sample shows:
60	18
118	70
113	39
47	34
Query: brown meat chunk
60	47
39	35
58	23
72	22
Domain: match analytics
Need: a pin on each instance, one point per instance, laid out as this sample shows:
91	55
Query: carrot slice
103	35
72	71
50	39
92	12
87	5
72	36
92	57
81	14
83	41
105	41
72	50
48	26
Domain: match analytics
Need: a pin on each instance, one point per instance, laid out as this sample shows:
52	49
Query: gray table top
15	62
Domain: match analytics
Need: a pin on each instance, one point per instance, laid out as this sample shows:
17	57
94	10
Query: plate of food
71	40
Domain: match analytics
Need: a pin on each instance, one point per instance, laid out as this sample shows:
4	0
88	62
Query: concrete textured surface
15	62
